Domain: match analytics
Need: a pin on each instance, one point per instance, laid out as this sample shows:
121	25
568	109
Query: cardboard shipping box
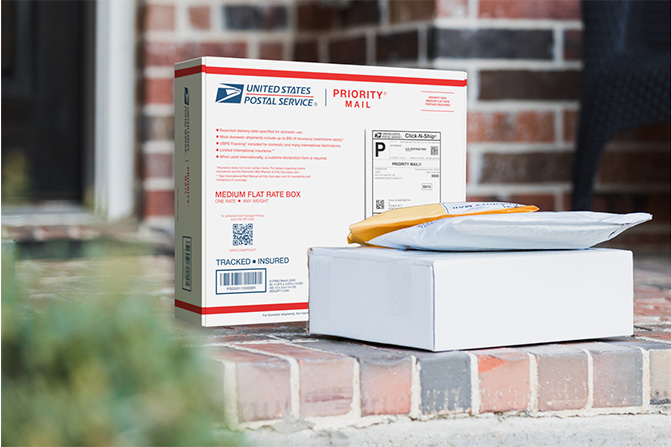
272	158
441	301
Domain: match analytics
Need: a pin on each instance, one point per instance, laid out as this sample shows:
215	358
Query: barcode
379	204
186	263
434	150
240	278
240	281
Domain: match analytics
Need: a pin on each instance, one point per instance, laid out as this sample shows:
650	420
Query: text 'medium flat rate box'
272	158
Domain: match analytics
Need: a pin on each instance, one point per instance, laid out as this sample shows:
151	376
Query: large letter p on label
379	147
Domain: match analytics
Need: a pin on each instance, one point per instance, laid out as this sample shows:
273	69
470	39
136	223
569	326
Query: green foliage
102	369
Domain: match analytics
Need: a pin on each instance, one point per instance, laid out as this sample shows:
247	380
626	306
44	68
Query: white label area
405	168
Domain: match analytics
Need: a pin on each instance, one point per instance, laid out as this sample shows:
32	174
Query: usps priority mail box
272	158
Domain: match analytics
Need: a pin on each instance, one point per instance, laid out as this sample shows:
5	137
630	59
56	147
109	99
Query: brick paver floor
277	373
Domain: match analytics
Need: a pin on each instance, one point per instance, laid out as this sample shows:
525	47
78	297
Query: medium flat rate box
443	301
272	158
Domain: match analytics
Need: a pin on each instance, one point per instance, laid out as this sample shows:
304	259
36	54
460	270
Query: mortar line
415	389
533	384
559	127
558	48
230	385
422	44
590	380
646	392
356	410
476	398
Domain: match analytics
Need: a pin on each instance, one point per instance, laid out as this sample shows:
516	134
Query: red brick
316	16
385	389
159	203
271	50
158	91
348	51
158	128
397	46
657	335
617	379
263	384
635	166
403	11
306	51
385	376
530	85
199	17
545	202
169	53
489	43
529	9
255	17
572	44
217	49
562	377
618	375
326	380
157	166
658	133
159	17
640	238
504	380
451	8
528	126
529	167
359	12
660	375
658	204
161	53
570	118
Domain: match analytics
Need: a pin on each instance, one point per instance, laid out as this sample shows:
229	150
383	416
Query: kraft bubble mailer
363	232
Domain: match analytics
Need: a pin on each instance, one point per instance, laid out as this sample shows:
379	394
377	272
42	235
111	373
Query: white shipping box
442	301
272	158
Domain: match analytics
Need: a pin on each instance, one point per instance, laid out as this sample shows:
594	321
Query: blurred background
87	94
88	188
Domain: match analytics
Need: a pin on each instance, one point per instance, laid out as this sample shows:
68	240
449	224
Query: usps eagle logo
229	93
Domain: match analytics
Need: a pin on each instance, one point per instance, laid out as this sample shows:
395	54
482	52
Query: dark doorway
44	94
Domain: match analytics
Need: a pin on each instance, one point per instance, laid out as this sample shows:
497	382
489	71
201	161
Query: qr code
434	150
379	204
243	234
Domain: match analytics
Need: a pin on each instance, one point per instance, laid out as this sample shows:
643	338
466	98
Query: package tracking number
230	281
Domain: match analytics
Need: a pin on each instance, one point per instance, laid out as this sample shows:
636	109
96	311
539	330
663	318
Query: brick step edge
325	383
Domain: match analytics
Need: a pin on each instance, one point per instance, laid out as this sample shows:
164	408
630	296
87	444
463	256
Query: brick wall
523	64
176	30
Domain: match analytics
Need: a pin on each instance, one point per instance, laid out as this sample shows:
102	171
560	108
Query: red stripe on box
317	75
189	71
240	309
